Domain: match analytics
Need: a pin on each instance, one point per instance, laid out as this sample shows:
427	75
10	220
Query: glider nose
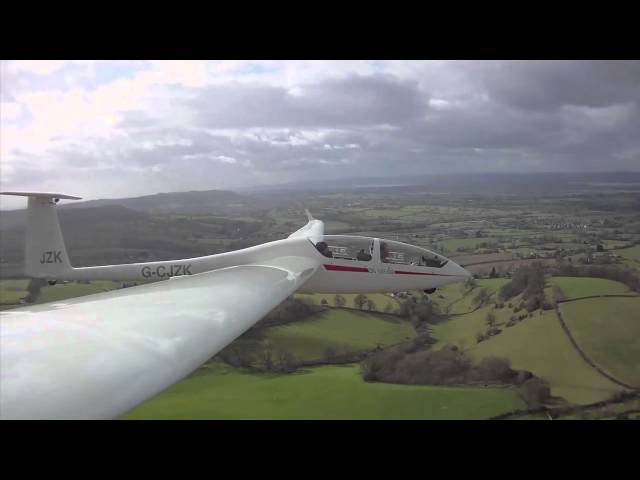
454	269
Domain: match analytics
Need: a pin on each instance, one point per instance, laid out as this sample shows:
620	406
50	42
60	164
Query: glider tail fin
314	229
309	216
45	253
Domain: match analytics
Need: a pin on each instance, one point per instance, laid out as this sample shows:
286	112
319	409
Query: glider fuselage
335	275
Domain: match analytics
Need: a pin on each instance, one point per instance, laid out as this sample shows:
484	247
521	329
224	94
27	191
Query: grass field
631	256
62	291
576	287
461	330
465	304
334	392
452	244
608	330
466	259
345	330
447	295
11	291
597	413
539	344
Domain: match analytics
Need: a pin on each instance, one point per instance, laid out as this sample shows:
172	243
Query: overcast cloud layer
111	129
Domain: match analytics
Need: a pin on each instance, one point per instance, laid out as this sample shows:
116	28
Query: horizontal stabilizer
42	195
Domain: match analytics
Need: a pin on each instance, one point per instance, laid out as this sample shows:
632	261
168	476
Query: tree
388	308
267	359
493	273
494	369
290	310
535	392
359	301
424	311
330	353
527	280
482	297
470	284
558	294
491	319
287	362
339	301
371	305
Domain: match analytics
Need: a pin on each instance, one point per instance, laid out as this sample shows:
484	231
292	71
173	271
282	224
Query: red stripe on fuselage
400	272
343	268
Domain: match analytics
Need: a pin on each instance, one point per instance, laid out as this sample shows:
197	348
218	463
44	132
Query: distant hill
112	234
15	219
511	183
193	202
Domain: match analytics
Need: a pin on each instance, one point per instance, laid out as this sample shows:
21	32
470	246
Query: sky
107	129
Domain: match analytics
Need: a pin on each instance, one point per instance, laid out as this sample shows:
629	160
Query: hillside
331	392
116	234
195	202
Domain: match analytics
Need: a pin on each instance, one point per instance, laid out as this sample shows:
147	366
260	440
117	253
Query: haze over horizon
108	129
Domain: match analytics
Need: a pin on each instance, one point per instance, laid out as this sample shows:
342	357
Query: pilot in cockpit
384	252
363	256
432	262
323	248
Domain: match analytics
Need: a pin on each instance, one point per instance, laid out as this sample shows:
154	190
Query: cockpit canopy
403	254
346	247
366	249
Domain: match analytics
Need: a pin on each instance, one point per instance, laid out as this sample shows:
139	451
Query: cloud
550	85
125	128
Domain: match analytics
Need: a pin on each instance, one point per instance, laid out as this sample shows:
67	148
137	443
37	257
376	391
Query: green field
466	259
539	344
345	330
631	256
448	295
461	330
577	287
63	291
606	412
452	244
11	291
463	303
608	330
334	392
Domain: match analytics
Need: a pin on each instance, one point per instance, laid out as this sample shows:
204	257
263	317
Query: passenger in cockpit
363	256
384	252
323	248
432	262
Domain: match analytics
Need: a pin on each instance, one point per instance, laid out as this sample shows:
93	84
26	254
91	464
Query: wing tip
309	216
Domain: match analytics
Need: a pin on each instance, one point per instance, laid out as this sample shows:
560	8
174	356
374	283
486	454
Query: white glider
99	356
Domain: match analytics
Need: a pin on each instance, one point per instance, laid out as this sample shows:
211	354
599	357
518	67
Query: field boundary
568	410
585	357
610	295
478	307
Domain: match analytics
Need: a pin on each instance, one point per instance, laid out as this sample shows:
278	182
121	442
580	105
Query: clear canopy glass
403	254
363	249
347	248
